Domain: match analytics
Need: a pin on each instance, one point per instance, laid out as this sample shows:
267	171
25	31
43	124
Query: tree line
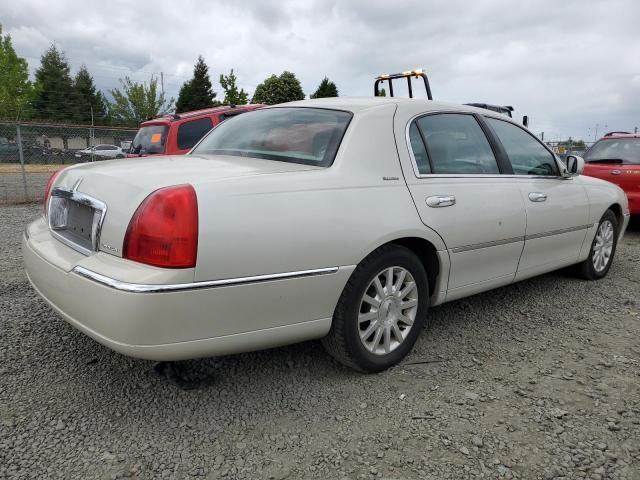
58	96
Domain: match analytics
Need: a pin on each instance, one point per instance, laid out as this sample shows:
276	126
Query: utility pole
92	139
162	82
635	130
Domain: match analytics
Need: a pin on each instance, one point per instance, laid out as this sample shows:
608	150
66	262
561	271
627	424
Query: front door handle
538	197
438	201
615	172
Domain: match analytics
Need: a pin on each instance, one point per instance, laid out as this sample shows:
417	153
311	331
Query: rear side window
456	145
419	150
189	133
310	136
526	154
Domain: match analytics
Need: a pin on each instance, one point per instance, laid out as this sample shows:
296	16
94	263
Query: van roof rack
409	75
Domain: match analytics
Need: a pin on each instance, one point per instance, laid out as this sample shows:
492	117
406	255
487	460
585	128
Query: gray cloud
569	65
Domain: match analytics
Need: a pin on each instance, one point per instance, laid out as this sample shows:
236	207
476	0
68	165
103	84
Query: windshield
622	150
309	136
149	140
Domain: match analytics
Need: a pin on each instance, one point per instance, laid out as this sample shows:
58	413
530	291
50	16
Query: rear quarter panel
311	219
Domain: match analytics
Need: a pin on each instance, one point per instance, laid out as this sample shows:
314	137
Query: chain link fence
31	152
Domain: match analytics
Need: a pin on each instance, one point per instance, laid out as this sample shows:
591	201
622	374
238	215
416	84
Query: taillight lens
47	190
164	230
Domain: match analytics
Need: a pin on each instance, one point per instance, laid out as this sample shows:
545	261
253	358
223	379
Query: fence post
21	155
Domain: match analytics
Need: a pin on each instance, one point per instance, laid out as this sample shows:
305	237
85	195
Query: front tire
381	311
603	249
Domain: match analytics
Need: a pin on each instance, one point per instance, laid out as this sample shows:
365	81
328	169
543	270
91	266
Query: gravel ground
537	380
12	189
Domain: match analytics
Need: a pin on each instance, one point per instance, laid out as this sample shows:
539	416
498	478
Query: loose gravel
538	380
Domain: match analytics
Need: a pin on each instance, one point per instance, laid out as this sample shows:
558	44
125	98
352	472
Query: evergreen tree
138	102
15	88
278	89
55	95
87	97
198	92
326	89
231	94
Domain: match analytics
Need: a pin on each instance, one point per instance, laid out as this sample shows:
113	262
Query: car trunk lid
91	204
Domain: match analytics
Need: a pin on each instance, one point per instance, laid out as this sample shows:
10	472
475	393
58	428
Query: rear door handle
438	201
615	172
538	197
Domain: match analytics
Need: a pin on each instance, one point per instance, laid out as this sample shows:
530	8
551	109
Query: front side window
527	155
456	145
619	150
309	136
190	133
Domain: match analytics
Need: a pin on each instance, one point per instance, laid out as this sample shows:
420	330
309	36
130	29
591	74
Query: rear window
309	136
623	150
150	139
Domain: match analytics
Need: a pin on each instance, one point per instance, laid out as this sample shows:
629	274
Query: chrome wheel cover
603	246
387	310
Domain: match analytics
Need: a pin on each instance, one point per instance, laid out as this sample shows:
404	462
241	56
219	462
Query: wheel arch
435	262
616	208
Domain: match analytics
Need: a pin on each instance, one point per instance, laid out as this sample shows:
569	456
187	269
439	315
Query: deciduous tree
137	102
279	89
15	88
232	96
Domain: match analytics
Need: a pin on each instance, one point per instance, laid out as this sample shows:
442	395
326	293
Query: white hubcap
387	310
603	246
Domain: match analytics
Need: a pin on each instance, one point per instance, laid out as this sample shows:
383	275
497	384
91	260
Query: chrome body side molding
176	287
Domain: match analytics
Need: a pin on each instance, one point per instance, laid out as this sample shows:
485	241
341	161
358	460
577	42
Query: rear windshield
309	136
622	150
149	139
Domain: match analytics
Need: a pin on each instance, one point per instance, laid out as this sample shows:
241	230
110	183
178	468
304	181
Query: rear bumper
174	325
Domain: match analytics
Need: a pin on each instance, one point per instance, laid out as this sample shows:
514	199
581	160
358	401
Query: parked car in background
341	219
177	134
100	152
616	158
8	150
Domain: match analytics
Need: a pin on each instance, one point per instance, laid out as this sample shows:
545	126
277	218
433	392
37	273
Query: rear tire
602	250
381	311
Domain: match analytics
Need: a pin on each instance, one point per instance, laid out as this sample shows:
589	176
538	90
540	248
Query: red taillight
164	230
47	190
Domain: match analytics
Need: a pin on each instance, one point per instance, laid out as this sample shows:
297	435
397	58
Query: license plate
75	222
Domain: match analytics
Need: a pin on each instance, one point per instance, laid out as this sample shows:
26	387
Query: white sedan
101	152
335	219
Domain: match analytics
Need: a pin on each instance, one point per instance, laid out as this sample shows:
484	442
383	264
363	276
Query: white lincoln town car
335	219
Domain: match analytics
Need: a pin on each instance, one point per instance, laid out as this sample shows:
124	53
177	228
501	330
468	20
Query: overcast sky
570	65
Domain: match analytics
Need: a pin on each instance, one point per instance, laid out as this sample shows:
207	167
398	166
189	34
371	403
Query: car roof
359	104
613	136
197	113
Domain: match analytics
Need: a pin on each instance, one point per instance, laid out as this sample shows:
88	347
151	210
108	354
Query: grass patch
16	168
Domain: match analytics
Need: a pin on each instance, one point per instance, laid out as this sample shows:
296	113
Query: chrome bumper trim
176	287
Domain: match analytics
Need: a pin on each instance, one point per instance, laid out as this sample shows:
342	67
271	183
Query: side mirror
575	164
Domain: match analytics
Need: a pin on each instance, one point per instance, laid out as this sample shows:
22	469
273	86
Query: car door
458	188
557	207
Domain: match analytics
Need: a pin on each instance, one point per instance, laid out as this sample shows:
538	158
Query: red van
616	158
176	134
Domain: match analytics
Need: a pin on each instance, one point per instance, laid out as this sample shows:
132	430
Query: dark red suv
176	134
616	158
